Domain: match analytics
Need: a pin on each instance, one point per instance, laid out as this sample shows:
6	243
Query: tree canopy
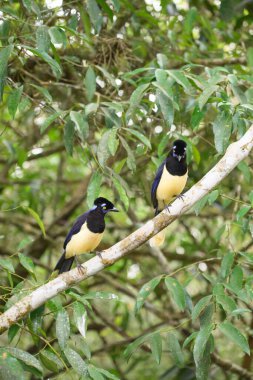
93	94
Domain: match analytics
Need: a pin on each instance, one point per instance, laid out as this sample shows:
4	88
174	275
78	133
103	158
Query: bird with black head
169	182
85	234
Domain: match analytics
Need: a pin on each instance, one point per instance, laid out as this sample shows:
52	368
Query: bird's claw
167	208
80	268
99	255
180	196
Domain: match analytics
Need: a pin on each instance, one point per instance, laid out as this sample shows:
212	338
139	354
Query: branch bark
235	153
232	367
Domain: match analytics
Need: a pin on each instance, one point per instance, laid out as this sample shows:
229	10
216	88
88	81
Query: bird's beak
114	209
179	158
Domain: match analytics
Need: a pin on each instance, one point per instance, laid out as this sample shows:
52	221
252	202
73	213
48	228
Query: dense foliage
92	95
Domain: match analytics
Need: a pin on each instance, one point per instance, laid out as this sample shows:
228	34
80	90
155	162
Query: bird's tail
64	264
158	239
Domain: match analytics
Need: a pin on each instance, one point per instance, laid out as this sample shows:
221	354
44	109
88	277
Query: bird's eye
104	207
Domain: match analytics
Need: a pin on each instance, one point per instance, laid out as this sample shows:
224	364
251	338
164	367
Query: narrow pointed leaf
200	306
156	347
145	292
235	335
62	328
177	292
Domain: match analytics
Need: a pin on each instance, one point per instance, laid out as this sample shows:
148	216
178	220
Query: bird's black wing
155	185
76	227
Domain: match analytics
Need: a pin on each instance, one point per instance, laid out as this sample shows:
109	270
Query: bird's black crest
179	146
103	201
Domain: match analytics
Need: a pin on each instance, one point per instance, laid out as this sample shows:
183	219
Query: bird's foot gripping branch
235	153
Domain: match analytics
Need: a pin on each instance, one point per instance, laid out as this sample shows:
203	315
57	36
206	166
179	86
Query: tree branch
235	153
232	367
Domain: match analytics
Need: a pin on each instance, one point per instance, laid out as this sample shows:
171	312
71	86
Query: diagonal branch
235	153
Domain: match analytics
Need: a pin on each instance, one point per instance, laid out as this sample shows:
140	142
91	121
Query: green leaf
37	219
219	232
130	157
163	144
200	306
107	374
240	311
62	328
76	362
122	192
135	98
44	92
132	347
181	79
25	357
14	100
250	56
80	317
190	338
106	8
42	38
113	141
175	350
236	279
235	335
206	316
30	5
10	367
139	136
242	212
103	151
190	20
94	373
50	360
200	204
94	187
12	332
90	83
7	264
177	292
200	343
81	124
57	36
222	127
54	65
91	108
244	168
196	117
95	15
4	57
48	121
226	264
69	135
226	302
26	262
156	347
213	196
202	367
206	95
166	106
116	5
145	291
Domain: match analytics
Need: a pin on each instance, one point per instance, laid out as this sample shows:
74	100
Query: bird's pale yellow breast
169	187
83	242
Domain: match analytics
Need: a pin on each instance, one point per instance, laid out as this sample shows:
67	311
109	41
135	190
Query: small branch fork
235	153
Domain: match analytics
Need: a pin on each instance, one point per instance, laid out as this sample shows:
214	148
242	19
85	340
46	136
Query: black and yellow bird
86	234
169	182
